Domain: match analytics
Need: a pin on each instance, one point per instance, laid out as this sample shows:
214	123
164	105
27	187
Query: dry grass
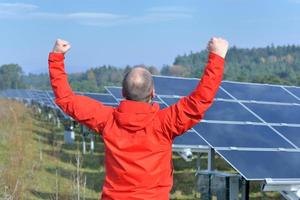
18	163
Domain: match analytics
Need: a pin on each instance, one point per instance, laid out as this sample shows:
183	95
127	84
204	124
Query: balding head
138	85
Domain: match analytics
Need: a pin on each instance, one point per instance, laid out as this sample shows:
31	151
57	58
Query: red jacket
138	136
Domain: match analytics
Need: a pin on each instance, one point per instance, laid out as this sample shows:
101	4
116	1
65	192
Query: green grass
36	164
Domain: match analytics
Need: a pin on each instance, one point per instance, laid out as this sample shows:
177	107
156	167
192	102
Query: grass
36	164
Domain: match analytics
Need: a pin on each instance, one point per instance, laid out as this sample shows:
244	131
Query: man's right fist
61	46
218	46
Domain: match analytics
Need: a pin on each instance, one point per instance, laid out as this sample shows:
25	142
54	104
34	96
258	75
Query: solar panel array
254	127
46	98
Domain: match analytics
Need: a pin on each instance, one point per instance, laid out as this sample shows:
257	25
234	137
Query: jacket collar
128	106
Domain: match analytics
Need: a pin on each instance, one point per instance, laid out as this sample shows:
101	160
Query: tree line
278	65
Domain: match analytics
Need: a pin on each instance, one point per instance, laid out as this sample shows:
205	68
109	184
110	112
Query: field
36	164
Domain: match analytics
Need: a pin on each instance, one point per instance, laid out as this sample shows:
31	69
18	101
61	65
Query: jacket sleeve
85	110
189	110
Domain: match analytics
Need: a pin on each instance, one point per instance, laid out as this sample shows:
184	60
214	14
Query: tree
11	76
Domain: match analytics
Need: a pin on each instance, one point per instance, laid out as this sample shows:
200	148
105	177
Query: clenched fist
61	46
218	46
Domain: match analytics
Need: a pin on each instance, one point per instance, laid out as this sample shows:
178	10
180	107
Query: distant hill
280	65
263	65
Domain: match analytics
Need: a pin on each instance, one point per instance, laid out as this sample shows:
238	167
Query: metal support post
245	189
92	143
82	130
211	160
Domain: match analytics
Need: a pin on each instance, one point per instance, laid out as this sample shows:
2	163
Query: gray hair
138	85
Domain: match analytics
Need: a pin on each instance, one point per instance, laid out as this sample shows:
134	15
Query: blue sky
150	32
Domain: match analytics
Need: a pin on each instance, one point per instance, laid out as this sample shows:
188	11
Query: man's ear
153	93
123	94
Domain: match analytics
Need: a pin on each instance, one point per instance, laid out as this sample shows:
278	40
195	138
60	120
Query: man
138	135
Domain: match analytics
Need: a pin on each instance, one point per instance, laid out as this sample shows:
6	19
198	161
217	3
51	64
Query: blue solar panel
223	111
115	91
294	90
237	135
190	138
179	86
104	98
51	94
258	92
10	93
259	165
276	113
291	133
162	105
24	94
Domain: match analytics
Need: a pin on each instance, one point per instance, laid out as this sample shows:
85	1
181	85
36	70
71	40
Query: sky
132	32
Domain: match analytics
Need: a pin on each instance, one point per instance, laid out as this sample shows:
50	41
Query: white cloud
151	15
170	9
17	7
14	10
96	16
295	1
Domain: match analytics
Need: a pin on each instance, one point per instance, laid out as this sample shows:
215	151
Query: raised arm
85	110
189	110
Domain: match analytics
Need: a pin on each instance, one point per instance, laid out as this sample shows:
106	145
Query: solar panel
10	93
294	90
179	86
106	99
249	129
115	91
259	165
190	138
42	98
51	94
240	135
222	111
24	94
276	113
162	105
258	92
291	133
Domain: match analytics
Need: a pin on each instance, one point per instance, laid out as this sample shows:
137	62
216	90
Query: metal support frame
245	189
198	162
211	160
83	131
92	145
288	188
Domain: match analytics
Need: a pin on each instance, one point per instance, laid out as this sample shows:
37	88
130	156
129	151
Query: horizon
138	32
159	68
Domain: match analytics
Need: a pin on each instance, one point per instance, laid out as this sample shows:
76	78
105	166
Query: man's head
138	85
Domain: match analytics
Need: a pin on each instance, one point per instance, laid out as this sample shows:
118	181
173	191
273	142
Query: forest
271	64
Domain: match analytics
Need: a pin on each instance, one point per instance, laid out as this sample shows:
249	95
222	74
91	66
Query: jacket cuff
216	58
56	57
